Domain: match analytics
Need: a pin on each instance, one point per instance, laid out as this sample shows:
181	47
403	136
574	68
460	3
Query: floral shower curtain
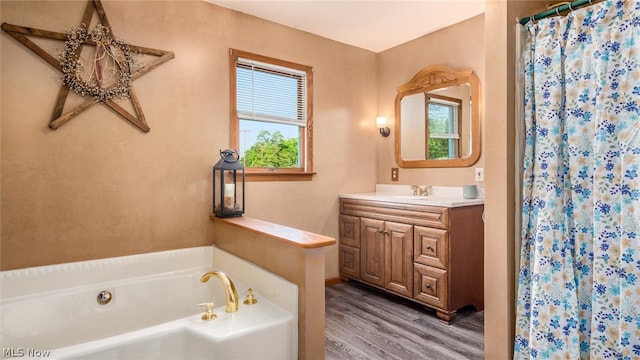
579	278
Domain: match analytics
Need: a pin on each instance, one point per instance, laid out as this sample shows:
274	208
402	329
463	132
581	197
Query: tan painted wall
97	187
499	232
499	279
460	46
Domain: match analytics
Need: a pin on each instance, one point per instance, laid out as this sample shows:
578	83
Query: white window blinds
271	93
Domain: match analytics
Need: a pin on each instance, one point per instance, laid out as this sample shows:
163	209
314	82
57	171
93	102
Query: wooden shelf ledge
285	234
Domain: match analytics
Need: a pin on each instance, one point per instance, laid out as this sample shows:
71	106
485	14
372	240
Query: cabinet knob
429	247
428	286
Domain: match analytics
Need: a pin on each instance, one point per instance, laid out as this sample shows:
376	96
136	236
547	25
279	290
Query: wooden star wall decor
106	48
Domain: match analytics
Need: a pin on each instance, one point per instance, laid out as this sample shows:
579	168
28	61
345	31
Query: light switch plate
394	174
479	174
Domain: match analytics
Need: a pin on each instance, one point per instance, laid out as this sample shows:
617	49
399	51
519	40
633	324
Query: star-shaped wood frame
58	118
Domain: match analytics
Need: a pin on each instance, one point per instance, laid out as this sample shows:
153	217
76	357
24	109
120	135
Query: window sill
251	176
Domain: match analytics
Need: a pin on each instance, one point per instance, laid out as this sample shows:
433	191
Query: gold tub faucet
229	288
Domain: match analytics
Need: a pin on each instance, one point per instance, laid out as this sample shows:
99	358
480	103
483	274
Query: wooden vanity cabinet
431	255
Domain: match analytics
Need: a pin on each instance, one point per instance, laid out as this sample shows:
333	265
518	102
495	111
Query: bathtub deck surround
298	256
154	303
260	333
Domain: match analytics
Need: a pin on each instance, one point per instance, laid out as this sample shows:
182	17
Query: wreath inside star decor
105	75
108	75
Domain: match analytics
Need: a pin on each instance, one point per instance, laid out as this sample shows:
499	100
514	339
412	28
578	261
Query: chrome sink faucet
229	289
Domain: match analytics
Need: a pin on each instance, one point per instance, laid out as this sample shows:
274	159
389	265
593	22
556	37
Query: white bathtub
53	310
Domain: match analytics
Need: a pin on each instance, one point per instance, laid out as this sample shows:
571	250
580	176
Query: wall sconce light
381	123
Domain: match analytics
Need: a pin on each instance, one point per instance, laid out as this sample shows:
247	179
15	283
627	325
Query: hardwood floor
363	323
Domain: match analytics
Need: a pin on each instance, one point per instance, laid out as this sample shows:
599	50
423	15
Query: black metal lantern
228	185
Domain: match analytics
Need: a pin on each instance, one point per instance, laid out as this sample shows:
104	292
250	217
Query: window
443	127
271	117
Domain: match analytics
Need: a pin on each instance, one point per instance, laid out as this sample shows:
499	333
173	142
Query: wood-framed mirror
437	119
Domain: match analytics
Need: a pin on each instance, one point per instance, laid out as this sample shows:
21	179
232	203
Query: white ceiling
375	25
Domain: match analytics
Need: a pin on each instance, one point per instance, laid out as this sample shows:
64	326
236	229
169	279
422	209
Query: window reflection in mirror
437	120
437	124
443	127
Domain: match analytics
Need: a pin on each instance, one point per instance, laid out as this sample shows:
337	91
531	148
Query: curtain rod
557	10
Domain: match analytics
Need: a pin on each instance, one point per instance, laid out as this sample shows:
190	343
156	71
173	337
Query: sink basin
429	200
413	197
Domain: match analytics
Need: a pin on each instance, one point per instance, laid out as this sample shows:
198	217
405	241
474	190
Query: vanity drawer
422	215
430	286
431	246
349	261
349	230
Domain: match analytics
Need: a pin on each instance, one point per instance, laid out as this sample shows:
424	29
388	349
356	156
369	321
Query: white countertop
442	196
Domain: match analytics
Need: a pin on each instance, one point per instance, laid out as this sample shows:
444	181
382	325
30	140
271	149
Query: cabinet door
398	267
349	230
431	247
372	251
349	259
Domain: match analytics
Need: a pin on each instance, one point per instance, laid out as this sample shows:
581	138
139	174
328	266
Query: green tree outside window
272	150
